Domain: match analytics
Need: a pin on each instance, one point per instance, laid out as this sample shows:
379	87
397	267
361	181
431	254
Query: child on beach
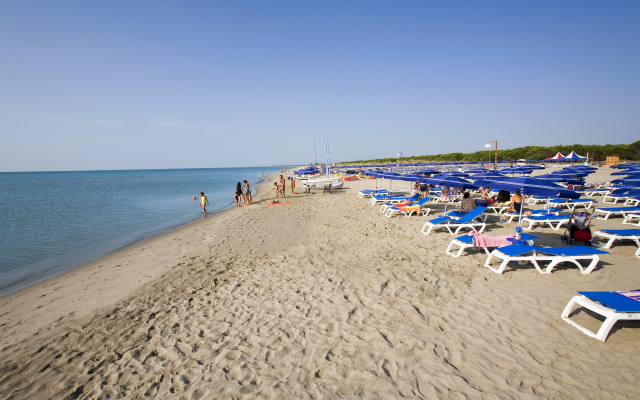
203	202
276	189
293	184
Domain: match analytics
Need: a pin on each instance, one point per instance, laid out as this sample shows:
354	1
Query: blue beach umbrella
516	170
533	187
449	181
627	181
490	175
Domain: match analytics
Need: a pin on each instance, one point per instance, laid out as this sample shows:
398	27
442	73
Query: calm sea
51	222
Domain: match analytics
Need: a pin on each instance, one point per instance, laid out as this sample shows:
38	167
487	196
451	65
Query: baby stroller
578	228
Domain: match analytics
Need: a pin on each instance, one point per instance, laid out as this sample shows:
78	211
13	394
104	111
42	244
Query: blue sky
169	84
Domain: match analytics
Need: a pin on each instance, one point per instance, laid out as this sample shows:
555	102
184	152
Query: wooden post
495	163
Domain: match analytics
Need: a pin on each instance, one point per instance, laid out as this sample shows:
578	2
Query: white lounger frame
535	257
615	198
612	238
607	213
550	222
629	217
611	316
463	245
450	224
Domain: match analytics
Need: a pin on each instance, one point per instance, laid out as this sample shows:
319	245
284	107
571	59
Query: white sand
323	298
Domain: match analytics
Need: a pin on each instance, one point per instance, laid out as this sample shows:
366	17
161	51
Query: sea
51	222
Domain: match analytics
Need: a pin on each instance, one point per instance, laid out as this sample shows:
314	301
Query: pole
495	163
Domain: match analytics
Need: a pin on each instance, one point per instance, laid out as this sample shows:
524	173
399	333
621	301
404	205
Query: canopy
555	158
534	187
571	157
449	181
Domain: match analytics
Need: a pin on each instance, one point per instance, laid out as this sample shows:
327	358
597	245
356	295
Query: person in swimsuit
204	203
247	194
238	195
516	202
276	189
282	186
293	184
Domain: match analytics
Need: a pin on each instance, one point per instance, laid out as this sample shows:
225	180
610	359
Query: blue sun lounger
613	306
393	199
617	234
395	209
609	211
471	219
555	255
466	241
558	220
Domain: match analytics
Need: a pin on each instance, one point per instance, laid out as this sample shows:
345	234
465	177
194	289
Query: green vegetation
596	153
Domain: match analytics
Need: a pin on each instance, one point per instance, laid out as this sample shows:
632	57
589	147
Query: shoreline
33	280
48	318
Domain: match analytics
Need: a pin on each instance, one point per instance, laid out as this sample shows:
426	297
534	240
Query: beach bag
582	235
503	196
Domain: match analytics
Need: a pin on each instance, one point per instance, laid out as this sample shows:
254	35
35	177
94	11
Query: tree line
630	152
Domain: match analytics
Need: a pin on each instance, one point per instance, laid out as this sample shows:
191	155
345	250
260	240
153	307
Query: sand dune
324	298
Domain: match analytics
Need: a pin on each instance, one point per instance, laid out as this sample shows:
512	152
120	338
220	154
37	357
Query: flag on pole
487	145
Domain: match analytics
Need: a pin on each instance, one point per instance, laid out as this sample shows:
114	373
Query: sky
90	85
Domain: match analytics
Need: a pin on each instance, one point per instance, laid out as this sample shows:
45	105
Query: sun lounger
370	192
600	192
408	210
466	241
618	234
613	306
392	199
555	255
550	220
628	219
532	200
470	220
572	204
613	198
632	201
609	211
510	216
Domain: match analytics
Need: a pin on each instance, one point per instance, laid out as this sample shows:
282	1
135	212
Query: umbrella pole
519	228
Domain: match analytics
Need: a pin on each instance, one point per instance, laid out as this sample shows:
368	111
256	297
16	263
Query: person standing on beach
276	189
238	196
293	184
247	194
204	203
282	185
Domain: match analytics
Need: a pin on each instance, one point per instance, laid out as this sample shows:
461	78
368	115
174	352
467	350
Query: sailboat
320	181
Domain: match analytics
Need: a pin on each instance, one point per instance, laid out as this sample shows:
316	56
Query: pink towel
490	241
632	294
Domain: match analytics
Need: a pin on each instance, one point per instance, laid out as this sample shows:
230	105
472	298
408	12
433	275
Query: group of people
243	194
279	187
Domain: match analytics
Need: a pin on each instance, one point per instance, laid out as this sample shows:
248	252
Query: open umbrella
516	170
449	181
532	187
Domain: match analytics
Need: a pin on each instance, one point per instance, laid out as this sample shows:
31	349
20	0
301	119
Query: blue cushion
614	300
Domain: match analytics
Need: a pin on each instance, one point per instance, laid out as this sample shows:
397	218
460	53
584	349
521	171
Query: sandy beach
323	298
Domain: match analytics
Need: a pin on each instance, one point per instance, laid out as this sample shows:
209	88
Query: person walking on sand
204	203
247	194
238	195
282	185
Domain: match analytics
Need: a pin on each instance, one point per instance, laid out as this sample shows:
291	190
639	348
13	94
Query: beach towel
278	203
632	294
480	240
408	209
